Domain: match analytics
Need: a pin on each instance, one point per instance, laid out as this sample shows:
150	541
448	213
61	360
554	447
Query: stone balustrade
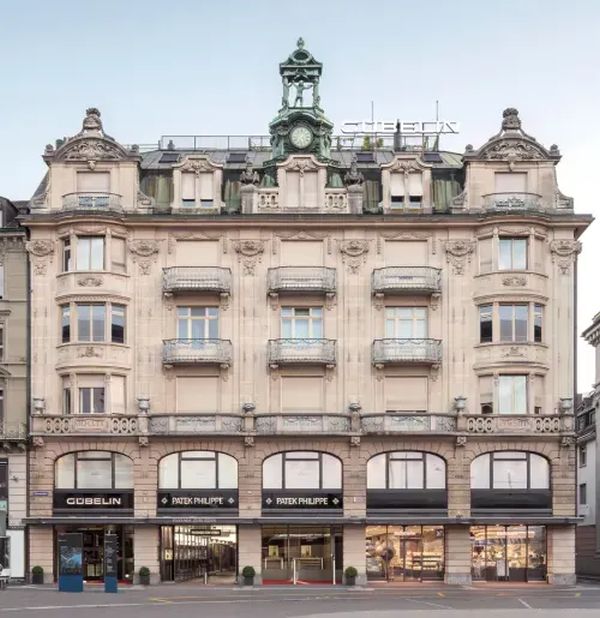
92	200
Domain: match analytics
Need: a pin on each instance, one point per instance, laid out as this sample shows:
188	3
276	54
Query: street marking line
524	603
430	603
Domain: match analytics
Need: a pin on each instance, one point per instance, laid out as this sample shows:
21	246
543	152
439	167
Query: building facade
305	352
588	532
13	390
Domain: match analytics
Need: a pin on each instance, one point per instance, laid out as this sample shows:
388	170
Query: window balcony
301	352
86	424
507	201
92	200
406	351
180	279
517	424
301	279
197	352
12	432
406	280
407	422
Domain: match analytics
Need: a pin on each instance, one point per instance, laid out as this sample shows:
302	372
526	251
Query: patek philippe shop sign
197	499
413	127
69	501
301	500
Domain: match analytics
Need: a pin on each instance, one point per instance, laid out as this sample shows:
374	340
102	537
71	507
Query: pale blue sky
155	67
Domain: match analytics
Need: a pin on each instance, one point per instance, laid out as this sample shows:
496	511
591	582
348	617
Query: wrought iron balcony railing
406	280
301	279
197	351
196	279
10	432
512	201
92	200
400	351
301	351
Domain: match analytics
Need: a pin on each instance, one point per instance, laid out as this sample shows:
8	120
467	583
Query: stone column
457	555
146	548
355	199
41	551
249	550
561	555
354	551
247	198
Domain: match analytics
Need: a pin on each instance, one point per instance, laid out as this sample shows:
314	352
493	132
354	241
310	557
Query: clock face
301	137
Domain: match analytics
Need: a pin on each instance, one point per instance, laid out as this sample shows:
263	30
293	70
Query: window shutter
117	395
92	182
397	184
206	186
311	190
406	253
188	186
197	393
507	182
405	393
539	250
301	393
302	253
197	253
415	184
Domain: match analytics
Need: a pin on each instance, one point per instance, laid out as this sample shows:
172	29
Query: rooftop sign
415	127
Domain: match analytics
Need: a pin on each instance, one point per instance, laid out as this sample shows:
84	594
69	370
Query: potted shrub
144	574
248	574
350	576
37	575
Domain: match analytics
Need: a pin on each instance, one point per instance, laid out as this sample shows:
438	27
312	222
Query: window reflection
302	470
197	470
510	470
406	470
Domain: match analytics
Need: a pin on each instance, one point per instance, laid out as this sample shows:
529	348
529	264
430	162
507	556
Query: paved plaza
185	601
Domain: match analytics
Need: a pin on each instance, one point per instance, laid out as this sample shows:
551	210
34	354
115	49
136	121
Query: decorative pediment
511	143
302	164
406	164
197	164
91	144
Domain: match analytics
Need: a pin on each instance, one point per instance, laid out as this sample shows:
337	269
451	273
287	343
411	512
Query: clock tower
300	126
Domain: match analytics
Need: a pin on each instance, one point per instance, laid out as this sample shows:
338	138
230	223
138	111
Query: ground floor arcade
286	553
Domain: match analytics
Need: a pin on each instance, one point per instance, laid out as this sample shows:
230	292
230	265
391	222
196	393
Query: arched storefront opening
198	484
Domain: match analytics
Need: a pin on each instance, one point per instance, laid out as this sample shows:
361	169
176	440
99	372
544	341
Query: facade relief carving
145	253
249	254
459	253
354	253
564	253
89	282
42	253
514	281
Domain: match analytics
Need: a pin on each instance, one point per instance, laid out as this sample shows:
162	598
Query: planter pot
145	580
248	581
37	578
350	581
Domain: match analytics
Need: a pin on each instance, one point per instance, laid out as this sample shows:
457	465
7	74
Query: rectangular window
513	322
301	322
486	395
197	322
512	394
67	407
117	395
582	456
91	400
67	256
512	254
1	342
91	322
90	253
117	255
538	317
510	473
406	322
93	182
485	324
583	494
511	182
65	323
117	323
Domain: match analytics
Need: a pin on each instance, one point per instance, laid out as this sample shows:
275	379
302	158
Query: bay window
92	324
512	253
512	394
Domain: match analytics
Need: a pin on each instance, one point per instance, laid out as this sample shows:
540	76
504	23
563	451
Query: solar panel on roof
432	157
169	157
236	157
365	157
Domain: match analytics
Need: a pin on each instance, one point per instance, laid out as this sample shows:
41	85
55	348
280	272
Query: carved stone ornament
249	254
249	441
145	252
354	253
302	164
514	281
353	177
89	282
196	165
514	351
564	253
461	441
40	248
249	176
458	253
89	352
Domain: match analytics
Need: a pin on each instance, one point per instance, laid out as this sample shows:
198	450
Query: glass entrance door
405	553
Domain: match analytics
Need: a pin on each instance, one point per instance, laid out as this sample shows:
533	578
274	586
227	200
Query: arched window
510	470
302	470
93	470
406	470
198	470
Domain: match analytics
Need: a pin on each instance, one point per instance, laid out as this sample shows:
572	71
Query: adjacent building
588	462
304	352
13	390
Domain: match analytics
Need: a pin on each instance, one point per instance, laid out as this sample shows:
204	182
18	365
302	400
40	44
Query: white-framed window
91	400
406	322
513	322
301	322
197	190
583	494
94	394
302	470
510	470
90	253
197	322
198	470
512	394
512	253
406	470
91	322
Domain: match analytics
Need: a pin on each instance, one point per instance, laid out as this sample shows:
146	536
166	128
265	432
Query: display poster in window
70	562
111	562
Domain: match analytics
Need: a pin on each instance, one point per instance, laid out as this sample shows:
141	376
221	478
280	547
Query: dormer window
511	182
93	189
406	190
197	190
